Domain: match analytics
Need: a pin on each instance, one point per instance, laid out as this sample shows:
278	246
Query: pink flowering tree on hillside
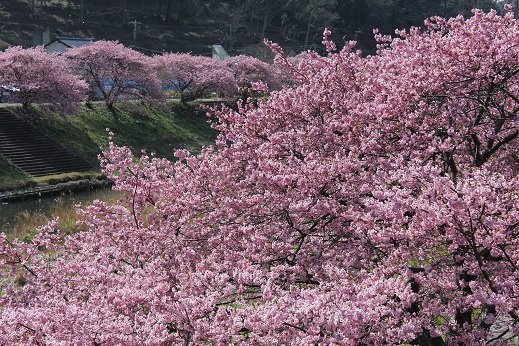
194	76
248	70
115	72
37	77
373	203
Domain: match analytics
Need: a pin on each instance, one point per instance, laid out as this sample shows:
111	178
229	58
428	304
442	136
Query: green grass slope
155	129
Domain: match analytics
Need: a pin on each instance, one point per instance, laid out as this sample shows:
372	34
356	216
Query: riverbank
20	219
51	186
160	130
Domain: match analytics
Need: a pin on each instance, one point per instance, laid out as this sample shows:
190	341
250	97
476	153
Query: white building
62	44
219	52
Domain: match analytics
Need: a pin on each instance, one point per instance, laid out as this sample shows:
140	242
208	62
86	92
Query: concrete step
32	151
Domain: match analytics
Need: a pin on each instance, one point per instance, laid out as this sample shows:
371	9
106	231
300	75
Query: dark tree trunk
168	10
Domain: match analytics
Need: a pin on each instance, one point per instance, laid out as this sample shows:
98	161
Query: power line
185	27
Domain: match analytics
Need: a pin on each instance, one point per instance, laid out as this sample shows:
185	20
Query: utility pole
82	20
232	35
135	22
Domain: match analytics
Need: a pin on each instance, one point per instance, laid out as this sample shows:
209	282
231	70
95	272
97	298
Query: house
219	52
62	44
40	37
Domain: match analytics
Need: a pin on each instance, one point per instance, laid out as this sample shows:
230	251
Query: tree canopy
36	77
248	70
115	72
194	76
374	202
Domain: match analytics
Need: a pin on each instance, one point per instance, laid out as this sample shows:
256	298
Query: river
10	212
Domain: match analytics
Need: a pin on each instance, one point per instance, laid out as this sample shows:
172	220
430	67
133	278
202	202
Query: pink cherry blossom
194	76
372	202
35	76
115	72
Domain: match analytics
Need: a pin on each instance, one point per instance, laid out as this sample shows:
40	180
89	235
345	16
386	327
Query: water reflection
9	212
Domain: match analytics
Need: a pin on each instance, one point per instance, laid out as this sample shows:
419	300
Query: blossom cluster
109	71
374	202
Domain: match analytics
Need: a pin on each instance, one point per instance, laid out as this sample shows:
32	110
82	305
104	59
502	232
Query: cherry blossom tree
34	76
194	76
115	72
248	70
373	203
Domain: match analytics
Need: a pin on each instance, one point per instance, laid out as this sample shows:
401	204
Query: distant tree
374	203
310	18
268	10
257	15
235	15
35	76
194	76
168	10
360	17
4	14
365	15
248	70
115	72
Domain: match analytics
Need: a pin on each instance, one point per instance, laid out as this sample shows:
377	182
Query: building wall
56	47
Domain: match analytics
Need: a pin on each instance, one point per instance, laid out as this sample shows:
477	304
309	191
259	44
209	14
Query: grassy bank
156	129
24	225
11	177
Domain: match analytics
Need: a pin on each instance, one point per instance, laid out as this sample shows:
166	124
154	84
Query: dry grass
25	223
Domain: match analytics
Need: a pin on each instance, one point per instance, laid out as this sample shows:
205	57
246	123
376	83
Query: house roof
71	42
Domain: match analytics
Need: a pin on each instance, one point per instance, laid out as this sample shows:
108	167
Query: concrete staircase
32	151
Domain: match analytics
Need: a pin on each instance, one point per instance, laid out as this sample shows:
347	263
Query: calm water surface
9	211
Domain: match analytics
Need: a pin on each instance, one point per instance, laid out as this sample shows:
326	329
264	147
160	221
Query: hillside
155	31
194	25
138	126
